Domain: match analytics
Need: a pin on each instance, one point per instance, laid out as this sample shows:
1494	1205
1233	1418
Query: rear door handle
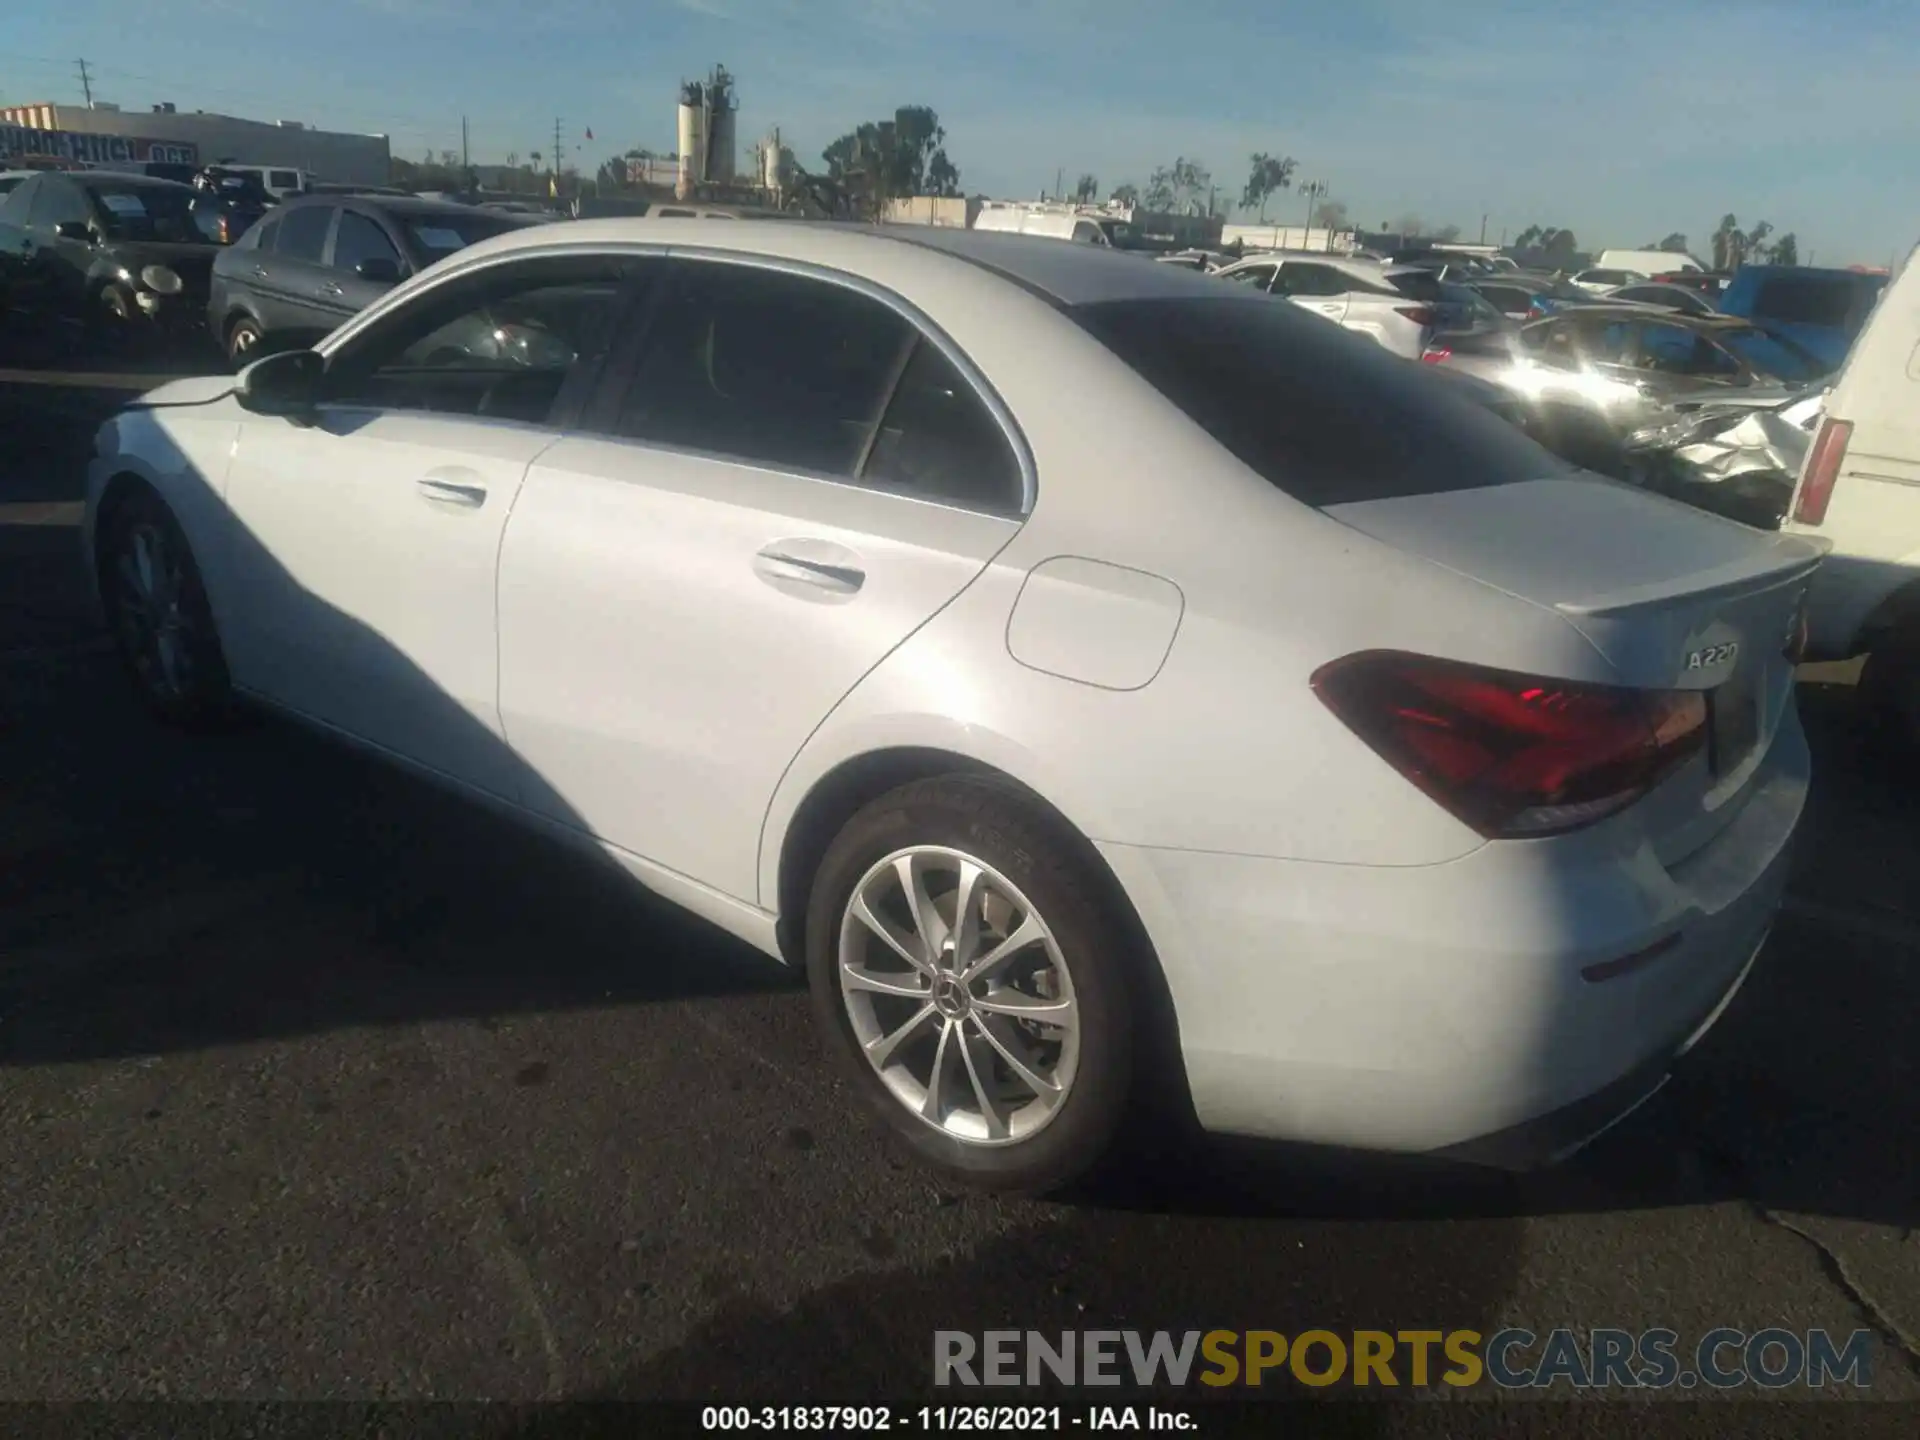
332	289
777	564
452	492
261	271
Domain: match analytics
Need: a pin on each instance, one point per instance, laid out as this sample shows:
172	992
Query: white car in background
1859	490
1398	305
1121	693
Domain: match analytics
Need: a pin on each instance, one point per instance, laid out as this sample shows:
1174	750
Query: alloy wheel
958	995
151	613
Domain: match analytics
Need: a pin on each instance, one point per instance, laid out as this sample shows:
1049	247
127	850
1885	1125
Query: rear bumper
1443	1008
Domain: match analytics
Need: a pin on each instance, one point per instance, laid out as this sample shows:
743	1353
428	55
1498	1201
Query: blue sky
1623	119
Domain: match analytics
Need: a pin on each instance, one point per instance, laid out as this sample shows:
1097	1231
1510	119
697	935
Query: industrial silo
693	139
723	149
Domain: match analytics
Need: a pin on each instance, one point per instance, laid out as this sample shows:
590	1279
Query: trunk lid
1672	597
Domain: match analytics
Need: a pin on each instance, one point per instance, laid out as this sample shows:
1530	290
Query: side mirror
74	230
285	384
378	271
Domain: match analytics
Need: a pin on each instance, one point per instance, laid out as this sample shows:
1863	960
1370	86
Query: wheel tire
994	825
157	609
243	339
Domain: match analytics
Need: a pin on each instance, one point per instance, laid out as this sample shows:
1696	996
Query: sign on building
26	142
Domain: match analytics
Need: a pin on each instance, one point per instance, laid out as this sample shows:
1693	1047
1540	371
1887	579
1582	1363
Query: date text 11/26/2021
936	1419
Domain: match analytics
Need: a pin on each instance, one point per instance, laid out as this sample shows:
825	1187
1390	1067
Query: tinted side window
263	235
765	366
1327	421
1798	300
19	203
1311	280
1417	285
938	441
507	344
358	239
1258	276
1506	298
55	203
303	233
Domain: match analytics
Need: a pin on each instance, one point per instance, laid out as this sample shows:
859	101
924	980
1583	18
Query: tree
1178	187
1086	189
1330	214
1674	244
1727	243
1406	225
1268	174
1125	193
1786	250
1447	234
1559	246
880	159
1755	247
612	174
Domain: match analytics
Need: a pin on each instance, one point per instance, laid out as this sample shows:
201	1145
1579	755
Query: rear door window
1304	278
303	233
284	179
938	441
1258	276
359	239
1327	421
766	367
1421	285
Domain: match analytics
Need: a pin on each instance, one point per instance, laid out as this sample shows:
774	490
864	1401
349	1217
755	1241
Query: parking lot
317	1084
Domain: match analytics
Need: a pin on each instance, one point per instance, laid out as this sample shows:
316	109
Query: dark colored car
1821	310
1526	297
228	203
320	259
1682	298
1709	283
120	254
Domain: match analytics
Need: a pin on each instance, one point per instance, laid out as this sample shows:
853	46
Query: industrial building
107	134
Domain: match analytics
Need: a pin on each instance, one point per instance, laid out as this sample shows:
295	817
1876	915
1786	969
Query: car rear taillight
1514	756
225	230
1823	470
1436	354
1534	312
1420	315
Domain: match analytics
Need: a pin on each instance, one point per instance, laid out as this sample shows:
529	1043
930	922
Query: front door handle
452	492
778	565
332	290
261	271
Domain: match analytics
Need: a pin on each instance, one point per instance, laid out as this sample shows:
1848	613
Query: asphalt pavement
316	1084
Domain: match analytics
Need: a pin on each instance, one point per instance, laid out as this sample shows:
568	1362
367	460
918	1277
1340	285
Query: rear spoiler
1787	559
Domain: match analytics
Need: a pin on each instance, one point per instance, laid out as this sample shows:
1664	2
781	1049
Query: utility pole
1483	229
465	163
556	154
86	84
1060	183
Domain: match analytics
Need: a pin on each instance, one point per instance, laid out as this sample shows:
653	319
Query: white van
1647	262
1860	488
283	182
1053	224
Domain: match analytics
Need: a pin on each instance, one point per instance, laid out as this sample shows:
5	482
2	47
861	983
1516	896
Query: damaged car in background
1593	377
1733	460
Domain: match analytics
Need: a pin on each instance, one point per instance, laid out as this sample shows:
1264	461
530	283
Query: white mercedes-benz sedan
1111	686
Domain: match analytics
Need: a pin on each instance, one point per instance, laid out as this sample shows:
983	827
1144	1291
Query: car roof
124	179
1062	272
1677	317
398	205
